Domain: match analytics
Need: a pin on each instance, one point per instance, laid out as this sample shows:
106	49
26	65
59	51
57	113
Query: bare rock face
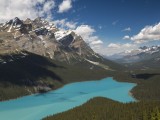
43	38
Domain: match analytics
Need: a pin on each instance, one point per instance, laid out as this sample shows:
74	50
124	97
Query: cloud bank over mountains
49	8
44	8
26	9
32	8
147	34
87	33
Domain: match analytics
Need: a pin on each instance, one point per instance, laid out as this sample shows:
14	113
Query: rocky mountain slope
35	56
43	38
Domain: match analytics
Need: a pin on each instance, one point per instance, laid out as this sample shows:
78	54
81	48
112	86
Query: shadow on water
27	70
145	76
48	93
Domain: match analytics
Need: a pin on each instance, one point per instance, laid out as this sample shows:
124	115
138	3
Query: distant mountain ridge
141	54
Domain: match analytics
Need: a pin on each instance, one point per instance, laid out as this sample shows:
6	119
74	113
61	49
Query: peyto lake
38	106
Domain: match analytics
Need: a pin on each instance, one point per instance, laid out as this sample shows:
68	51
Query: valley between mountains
37	57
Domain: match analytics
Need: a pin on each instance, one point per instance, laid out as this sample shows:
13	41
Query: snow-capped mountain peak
43	38
61	34
143	53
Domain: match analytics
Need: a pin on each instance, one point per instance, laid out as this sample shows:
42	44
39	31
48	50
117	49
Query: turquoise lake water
38	106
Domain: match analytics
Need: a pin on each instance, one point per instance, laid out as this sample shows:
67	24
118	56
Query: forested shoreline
105	109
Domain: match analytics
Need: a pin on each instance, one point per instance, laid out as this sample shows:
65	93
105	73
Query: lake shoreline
38	93
65	98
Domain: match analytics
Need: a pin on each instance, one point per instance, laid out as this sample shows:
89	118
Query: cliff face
40	37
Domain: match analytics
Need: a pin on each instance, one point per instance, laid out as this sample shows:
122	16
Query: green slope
106	109
34	73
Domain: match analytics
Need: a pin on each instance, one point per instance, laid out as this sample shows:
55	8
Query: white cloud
85	30
96	41
147	34
25	9
115	22
126	37
46	10
114	48
113	45
65	6
87	33
48	6
127	29
64	24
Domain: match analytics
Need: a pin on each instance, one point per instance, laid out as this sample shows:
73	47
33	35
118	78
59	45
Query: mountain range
36	56
137	55
43	38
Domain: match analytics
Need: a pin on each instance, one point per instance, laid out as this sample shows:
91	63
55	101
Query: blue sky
109	26
114	19
126	13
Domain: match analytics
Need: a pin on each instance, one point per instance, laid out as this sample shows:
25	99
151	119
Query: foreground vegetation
106	109
147	81
146	92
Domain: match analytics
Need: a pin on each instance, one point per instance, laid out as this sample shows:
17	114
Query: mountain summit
43	38
36	56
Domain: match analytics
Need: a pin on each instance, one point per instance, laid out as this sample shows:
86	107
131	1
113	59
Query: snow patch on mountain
99	64
61	34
